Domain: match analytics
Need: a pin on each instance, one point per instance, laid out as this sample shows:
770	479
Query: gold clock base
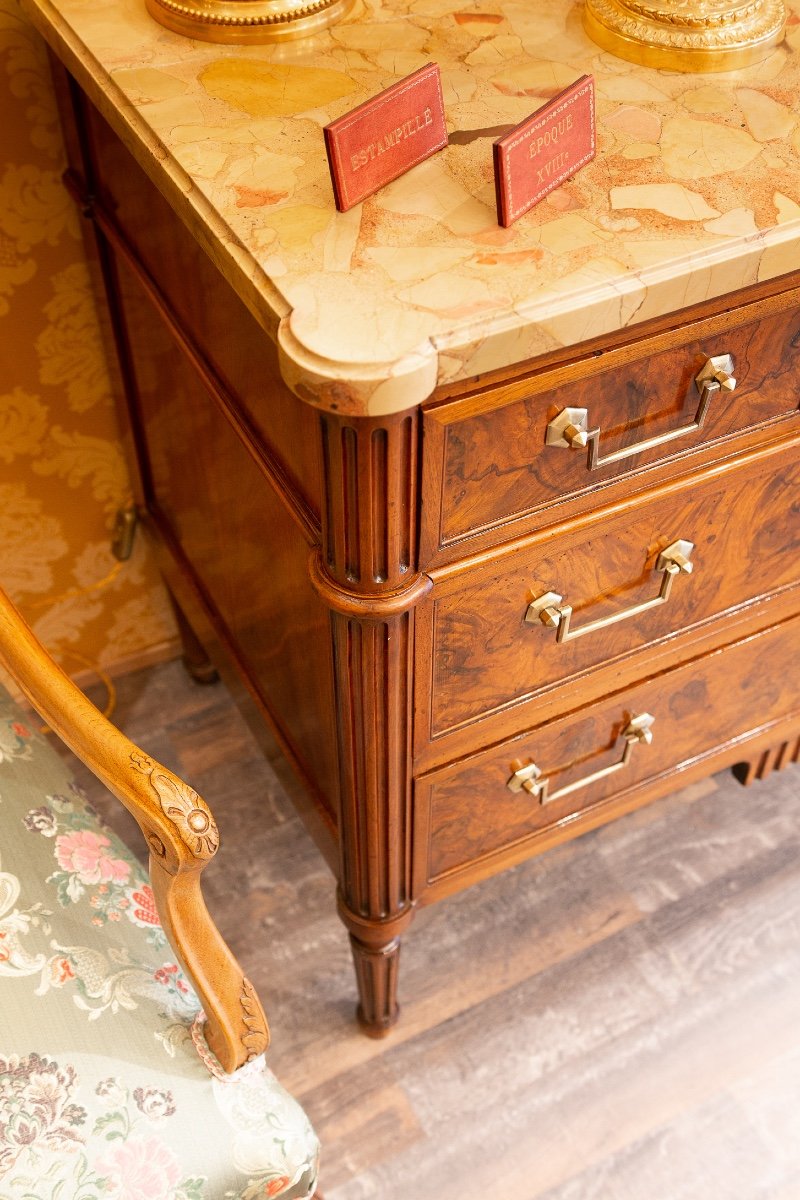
242	21
687	35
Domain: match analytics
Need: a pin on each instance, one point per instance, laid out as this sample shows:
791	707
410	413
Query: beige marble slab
695	190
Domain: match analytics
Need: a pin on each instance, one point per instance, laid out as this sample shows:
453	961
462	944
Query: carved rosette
187	811
687	35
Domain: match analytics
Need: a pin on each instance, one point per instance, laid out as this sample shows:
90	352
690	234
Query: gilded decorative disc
247	20
687	35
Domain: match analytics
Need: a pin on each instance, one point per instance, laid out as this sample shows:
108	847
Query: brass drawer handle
550	610
528	778
570	428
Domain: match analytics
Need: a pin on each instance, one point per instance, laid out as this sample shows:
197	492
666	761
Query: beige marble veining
695	190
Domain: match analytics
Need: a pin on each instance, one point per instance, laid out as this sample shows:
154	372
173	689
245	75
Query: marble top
695	190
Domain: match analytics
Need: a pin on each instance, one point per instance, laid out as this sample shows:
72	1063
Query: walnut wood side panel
705	713
215	500
207	370
744	520
486	459
223	334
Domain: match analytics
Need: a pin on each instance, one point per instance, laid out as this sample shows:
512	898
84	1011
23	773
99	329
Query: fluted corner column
366	573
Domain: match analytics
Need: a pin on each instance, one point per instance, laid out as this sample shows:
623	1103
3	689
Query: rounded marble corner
363	389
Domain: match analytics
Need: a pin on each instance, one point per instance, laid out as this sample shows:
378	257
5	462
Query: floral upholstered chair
114	1084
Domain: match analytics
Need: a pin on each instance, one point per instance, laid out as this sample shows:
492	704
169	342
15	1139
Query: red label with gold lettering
544	150
385	136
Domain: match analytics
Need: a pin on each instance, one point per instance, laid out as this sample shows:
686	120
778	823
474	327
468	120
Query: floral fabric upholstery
103	1095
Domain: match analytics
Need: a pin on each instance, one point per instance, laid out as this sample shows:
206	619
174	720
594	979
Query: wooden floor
618	1019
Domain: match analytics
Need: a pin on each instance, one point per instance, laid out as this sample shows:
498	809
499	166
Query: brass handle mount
529	778
549	609
569	429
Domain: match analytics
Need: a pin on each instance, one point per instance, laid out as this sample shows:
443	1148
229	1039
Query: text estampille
373	149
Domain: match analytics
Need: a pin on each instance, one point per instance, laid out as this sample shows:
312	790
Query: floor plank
618	1019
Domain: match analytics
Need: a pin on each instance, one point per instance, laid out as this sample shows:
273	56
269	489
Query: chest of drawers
494	589
589	637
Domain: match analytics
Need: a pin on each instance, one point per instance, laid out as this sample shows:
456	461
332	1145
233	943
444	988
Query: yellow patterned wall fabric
62	472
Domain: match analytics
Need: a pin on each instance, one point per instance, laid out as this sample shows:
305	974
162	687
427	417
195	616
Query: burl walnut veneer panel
488	459
742	516
710	706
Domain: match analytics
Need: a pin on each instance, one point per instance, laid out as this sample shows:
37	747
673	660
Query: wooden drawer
466	817
486	458
489	648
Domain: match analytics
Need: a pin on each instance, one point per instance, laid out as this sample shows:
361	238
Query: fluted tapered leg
365	573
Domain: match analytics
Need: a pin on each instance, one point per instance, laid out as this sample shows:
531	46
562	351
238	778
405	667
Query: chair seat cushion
102	1092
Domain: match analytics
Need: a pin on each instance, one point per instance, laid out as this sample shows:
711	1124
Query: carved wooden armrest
177	824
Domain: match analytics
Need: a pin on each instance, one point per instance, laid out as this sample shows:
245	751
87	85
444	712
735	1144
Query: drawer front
625	575
466	813
489	461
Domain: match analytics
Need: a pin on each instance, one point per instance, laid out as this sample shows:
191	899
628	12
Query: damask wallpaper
62	472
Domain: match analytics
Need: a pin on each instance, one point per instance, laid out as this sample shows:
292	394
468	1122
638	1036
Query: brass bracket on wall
124	533
528	778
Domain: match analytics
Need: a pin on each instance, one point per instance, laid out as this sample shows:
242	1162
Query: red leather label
544	150
385	136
